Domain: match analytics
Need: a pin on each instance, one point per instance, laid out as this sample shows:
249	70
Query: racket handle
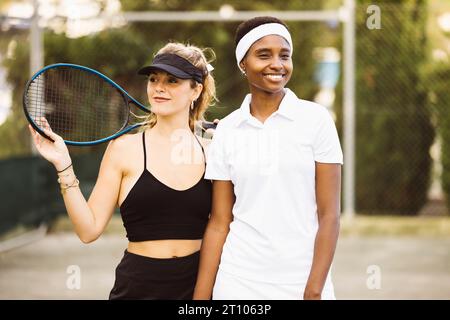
209	125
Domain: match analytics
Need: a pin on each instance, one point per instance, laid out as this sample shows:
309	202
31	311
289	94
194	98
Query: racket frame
127	99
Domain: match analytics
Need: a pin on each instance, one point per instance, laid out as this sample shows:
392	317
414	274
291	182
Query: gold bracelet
64	187
75	184
66	184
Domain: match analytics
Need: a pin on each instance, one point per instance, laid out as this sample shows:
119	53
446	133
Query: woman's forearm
78	209
324	248
210	253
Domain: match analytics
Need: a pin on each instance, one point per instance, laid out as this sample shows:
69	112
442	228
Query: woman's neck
263	104
166	127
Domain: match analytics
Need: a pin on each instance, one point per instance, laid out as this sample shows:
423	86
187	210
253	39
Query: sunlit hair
207	97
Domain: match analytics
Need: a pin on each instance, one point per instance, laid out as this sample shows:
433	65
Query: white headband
257	33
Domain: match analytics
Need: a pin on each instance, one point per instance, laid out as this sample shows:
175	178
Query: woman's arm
88	217
328	187
91	218
214	238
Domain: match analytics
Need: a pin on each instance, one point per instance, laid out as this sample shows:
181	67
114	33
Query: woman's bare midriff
165	249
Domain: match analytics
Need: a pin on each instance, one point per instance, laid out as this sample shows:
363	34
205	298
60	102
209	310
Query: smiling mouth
274	76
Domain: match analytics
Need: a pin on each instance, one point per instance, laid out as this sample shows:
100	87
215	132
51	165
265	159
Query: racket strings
78	105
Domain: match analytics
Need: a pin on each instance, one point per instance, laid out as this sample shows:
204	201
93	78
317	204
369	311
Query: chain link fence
394	129
398	161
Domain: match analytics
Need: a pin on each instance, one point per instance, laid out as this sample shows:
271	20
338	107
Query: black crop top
154	211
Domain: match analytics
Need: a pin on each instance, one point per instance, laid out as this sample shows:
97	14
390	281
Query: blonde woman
156	179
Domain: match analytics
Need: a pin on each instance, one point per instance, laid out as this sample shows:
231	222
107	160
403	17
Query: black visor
175	65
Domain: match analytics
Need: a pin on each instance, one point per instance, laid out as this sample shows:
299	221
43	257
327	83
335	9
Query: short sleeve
217	167
326	145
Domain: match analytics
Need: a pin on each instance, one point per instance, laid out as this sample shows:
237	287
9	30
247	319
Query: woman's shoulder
230	119
124	147
126	140
308	112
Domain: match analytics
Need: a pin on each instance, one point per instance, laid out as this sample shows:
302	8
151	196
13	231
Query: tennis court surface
409	268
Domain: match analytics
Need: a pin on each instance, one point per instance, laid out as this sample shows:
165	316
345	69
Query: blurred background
382	68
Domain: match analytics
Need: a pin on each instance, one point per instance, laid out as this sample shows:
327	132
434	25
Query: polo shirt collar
286	108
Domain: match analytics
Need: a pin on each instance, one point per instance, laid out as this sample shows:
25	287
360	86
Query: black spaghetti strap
145	153
201	146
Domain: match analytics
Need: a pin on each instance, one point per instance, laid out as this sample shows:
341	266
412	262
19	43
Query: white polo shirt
272	168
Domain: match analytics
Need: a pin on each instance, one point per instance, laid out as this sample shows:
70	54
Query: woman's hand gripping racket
79	104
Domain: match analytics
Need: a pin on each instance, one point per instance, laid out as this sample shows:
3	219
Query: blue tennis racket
80	104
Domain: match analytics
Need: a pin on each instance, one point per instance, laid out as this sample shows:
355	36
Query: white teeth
274	76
